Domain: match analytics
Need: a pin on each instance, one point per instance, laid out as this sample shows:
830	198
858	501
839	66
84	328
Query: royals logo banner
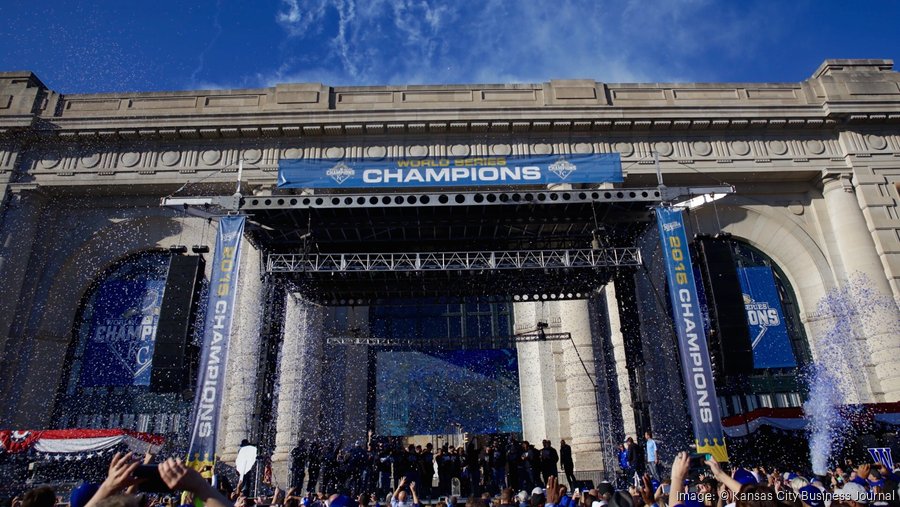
765	317
216	335
450	171
695	362
122	332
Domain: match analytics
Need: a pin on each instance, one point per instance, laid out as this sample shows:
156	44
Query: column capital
833	180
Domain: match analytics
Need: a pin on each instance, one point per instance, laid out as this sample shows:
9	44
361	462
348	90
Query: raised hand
119	477
121	472
553	492
177	476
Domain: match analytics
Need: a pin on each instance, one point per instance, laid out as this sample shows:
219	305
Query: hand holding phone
152	481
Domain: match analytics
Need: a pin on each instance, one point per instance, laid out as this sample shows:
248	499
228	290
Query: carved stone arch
786	242
58	304
105	248
777	234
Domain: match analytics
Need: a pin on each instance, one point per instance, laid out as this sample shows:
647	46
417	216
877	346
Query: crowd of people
692	483
501	463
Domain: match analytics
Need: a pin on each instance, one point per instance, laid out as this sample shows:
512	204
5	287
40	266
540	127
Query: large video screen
443	392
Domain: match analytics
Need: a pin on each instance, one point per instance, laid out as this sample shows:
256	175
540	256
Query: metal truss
423	199
463	198
437	343
452	261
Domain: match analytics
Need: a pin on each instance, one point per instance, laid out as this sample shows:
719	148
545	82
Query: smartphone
697	464
666	488
152	482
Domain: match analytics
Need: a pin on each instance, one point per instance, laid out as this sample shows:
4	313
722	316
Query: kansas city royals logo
340	172
562	168
761	315
229	237
671	226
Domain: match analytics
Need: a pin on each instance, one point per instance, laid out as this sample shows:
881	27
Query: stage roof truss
452	261
444	342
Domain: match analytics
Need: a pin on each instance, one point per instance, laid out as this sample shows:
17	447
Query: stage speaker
172	354
730	339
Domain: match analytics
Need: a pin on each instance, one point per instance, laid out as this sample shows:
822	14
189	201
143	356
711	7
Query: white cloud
300	20
372	42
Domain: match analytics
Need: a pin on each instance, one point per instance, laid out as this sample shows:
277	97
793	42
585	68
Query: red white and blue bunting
787	420
78	444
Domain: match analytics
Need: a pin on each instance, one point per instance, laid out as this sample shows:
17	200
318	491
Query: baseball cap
621	499
82	494
853	491
744	477
342	501
537	491
812	496
605	488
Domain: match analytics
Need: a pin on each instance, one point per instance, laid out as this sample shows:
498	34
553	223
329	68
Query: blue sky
111	46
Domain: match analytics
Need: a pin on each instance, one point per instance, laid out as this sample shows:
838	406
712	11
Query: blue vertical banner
216	335
122	332
765	318
695	363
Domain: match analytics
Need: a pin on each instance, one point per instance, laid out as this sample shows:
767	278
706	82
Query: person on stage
565	459
652	456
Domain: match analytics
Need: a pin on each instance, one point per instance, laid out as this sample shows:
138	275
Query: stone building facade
815	164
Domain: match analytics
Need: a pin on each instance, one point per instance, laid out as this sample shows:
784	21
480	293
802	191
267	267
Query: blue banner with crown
216	335
695	363
450	171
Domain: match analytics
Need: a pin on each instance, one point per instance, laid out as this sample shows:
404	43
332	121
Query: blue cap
342	501
744	477
862	482
812	496
82	494
791	476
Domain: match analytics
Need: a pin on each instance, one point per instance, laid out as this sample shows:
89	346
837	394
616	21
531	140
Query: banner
765	318
695	362
216	335
450	171
882	455
123	317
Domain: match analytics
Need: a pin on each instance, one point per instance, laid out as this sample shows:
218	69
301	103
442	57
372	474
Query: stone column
537	378
618	343
294	383
239	412
356	374
580	393
859	257
19	227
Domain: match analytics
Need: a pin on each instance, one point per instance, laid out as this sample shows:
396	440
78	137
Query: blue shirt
651	451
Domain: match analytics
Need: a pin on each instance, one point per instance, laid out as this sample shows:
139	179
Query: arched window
107	382
746	256
775	381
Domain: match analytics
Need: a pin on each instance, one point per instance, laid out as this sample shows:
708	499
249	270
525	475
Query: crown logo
229	237
562	168
340	173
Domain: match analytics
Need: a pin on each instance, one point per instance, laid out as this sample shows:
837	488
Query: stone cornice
841	92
